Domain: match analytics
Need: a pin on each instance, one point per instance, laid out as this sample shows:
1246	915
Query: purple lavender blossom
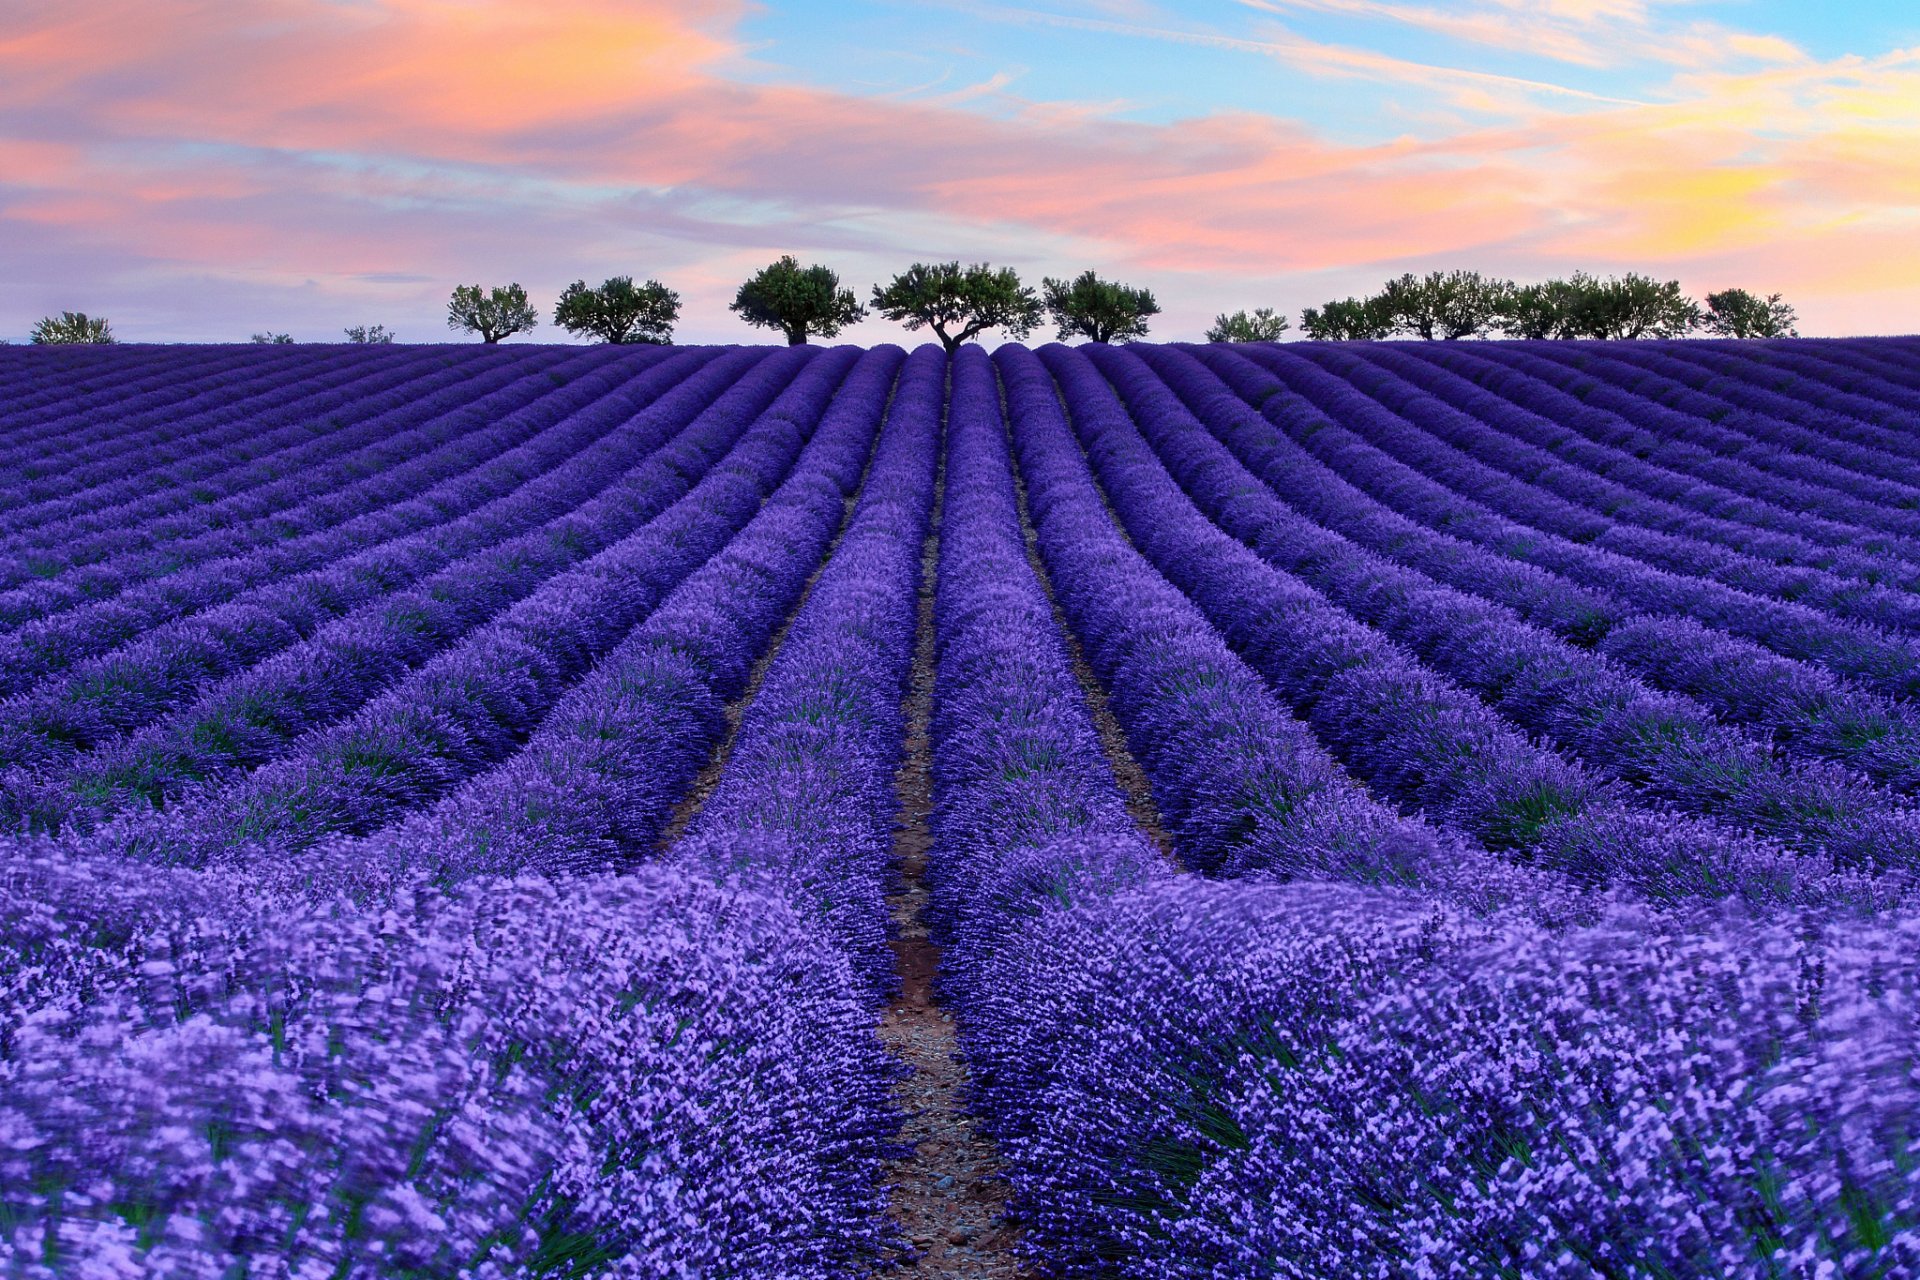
1526	727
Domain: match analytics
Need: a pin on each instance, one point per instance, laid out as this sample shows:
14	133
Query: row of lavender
1576	1020
1514	1042
319	1017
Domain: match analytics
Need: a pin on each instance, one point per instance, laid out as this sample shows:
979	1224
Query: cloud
301	71
1283	45
349	162
1604	34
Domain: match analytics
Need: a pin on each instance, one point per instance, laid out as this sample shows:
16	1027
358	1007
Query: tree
1098	310
499	313
72	327
799	301
273	339
619	311
1550	309
958	303
1637	306
376	334
1261	325
1735	313
1447	305
1348	320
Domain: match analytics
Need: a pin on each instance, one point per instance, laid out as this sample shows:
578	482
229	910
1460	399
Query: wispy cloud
1593	35
216	171
1309	55
992	85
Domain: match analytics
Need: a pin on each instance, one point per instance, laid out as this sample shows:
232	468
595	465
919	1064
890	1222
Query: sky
198	170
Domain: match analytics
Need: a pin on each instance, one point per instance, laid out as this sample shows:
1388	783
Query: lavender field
1315	810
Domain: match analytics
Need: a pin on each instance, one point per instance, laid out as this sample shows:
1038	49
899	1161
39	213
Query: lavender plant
449	805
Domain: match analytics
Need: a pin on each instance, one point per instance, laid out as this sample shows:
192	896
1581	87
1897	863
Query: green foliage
619	310
798	301
376	334
273	339
1348	320
1464	304
1098	310
71	327
1736	313
495	314
1550	309
1581	306
959	303
1637	306
1444	304
1261	325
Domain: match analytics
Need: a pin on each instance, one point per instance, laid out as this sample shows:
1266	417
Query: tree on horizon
1098	310
500	313
942	295
72	328
1738	313
1444	305
619	311
1348	320
1263	324
799	301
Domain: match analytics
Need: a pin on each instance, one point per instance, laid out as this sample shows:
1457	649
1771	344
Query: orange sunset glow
200	168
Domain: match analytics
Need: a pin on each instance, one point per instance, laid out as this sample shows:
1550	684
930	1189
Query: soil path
947	1196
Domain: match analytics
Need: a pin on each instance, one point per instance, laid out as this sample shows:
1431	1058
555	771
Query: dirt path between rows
947	1195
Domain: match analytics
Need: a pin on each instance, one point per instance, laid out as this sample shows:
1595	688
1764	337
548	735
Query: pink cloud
275	143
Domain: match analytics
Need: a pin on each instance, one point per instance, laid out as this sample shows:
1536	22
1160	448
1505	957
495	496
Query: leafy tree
1098	310
1735	313
273	339
619	310
959	303
377	334
799	301
1348	320
1444	304
496	314
1261	325
72	327
1637	306
1550	309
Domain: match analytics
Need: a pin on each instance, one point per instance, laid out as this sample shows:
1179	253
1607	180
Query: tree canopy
72	327
619	311
1348	320
799	301
271	339
1736	313
1260	325
1637	306
1098	310
1447	305
1549	309
1462	304
959	303
374	334
495	314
